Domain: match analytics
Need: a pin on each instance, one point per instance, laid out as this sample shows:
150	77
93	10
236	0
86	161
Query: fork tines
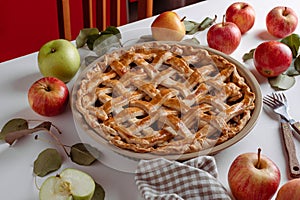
272	101
280	96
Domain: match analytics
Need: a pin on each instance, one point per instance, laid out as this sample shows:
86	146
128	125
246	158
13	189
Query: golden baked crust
165	99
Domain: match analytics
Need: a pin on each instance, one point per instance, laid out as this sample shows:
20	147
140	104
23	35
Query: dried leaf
99	193
292	41
84	154
13	125
11	137
282	82
47	161
45	125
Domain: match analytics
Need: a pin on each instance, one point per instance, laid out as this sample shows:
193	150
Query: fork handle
296	126
287	134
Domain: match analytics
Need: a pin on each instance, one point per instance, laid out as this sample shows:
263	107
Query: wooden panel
102	13
110	13
145	8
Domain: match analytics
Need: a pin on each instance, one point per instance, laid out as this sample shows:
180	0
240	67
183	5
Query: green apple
70	184
59	58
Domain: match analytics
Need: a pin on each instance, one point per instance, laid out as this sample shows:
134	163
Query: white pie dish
87	134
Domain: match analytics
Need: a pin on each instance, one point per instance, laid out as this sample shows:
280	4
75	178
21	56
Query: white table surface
16	76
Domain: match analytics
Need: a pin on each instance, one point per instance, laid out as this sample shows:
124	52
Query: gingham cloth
161	179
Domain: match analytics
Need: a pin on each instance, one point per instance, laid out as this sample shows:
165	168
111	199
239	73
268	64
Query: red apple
271	58
242	14
290	190
48	96
224	36
253	176
281	21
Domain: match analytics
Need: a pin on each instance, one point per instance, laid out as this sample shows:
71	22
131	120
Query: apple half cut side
70	184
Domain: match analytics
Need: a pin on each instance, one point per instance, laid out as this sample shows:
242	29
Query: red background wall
26	25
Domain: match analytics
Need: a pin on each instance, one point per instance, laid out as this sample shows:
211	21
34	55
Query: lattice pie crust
165	98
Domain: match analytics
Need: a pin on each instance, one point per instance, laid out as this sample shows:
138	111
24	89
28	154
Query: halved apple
70	184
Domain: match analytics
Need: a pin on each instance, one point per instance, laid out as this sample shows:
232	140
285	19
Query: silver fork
286	131
278	102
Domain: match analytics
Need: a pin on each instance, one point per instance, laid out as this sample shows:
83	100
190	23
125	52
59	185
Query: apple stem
223	20
245	6
258	158
183	19
285	13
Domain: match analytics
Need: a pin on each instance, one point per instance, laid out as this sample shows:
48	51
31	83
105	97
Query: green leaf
99	193
112	30
297	63
13	125
143	38
192	40
47	161
282	82
84	154
293	41
249	55
291	71
83	35
189	26
192	27
105	43
90	35
206	23
89	59
91	39
105	39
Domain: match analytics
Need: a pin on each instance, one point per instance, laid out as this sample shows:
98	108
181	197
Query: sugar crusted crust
165	99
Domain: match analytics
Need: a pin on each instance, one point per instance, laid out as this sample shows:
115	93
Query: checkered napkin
161	179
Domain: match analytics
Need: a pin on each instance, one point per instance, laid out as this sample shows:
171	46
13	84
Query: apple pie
164	98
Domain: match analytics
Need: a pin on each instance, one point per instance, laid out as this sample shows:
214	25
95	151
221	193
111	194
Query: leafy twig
194	27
